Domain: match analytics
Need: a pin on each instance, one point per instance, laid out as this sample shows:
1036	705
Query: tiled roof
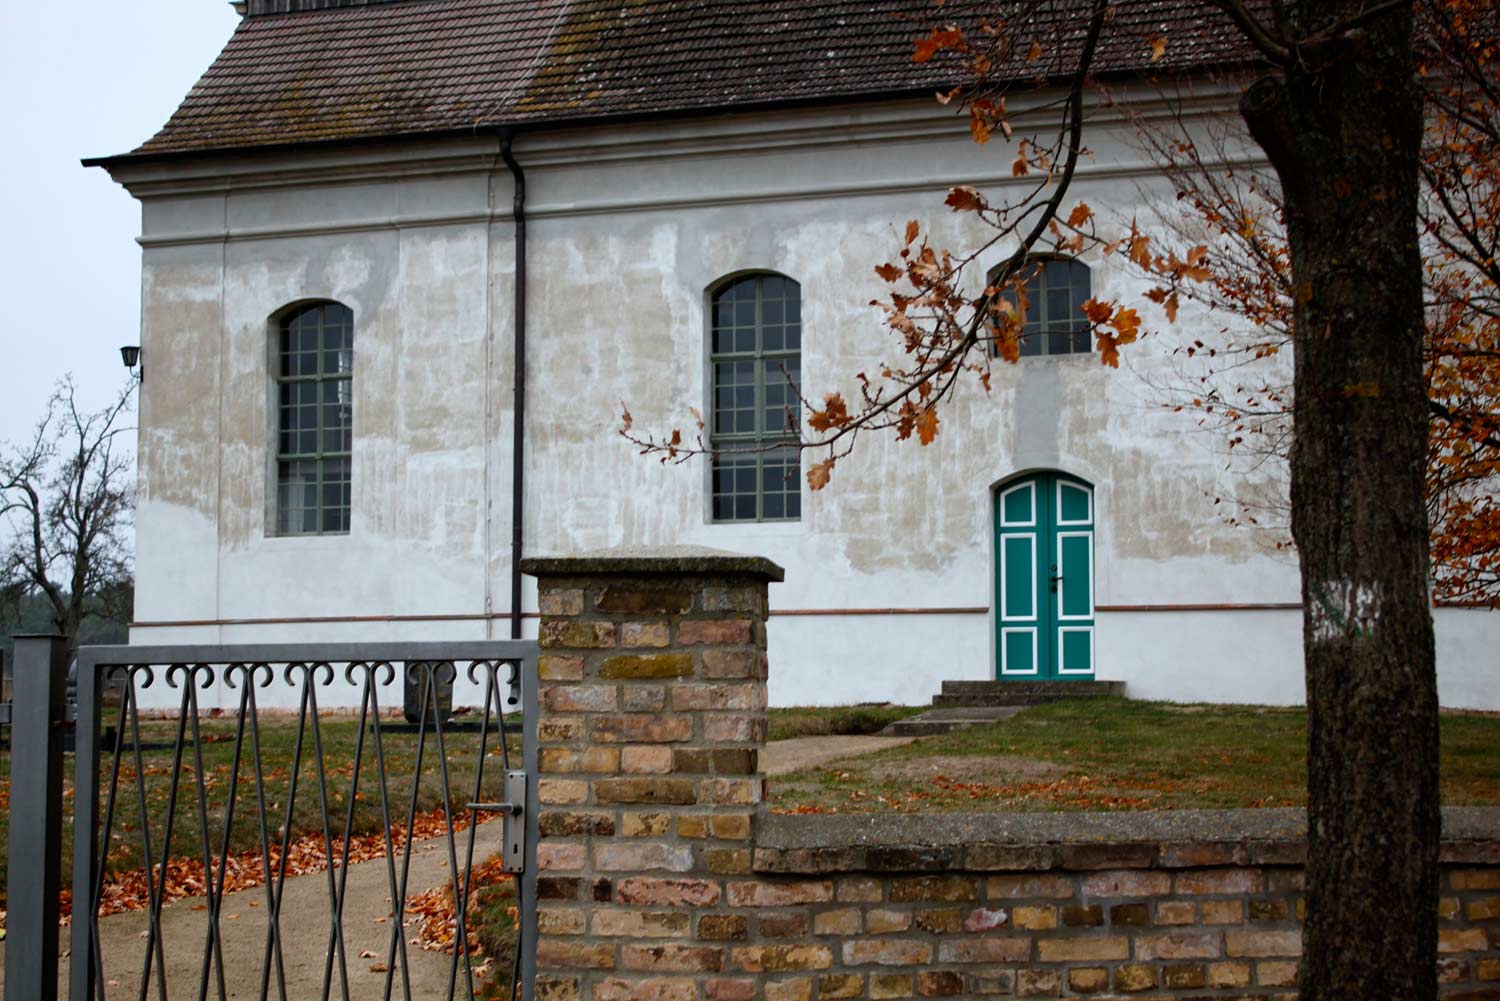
443	66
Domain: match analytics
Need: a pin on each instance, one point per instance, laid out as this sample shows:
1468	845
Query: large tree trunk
1343	130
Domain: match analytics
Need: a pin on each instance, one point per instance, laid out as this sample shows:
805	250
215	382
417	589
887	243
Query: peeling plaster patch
1342	609
347	269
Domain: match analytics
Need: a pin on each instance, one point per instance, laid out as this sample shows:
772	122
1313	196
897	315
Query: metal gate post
35	851
530	709
86	739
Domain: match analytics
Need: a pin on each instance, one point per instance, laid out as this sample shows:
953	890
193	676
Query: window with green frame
314	420
755	349
1056	289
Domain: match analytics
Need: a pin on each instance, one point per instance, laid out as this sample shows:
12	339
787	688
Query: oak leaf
1081	214
1098	312
964	199
927	426
887	271
1158	47
835	413
1127	322
979	126
818	474
939	39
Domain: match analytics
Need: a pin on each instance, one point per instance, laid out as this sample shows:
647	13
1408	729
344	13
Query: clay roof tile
444	66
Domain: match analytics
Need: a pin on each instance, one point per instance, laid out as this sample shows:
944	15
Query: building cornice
893	122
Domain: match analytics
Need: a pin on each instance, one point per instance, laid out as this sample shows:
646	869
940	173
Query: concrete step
1009	699
1050	689
1023	693
935	721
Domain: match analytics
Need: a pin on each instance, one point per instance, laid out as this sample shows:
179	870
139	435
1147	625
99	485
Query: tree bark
1342	125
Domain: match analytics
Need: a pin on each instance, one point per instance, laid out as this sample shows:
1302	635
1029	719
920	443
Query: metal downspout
518	446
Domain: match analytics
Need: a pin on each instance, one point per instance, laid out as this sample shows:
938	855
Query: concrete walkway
305	921
783	756
306	915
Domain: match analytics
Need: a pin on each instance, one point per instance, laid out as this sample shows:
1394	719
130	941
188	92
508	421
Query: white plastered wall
628	229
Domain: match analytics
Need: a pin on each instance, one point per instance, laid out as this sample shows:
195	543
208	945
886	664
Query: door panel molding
1030	521
1062	570
1007	610
1005	664
1044	533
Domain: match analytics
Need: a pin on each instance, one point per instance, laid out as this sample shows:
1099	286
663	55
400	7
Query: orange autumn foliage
1230	254
1239	208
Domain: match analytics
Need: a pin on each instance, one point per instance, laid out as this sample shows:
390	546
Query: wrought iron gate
211	772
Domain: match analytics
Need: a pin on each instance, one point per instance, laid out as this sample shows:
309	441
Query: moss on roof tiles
430	66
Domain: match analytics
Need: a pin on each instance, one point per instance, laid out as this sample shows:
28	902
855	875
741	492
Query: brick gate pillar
653	715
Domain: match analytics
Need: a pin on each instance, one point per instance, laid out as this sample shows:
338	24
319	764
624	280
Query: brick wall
659	878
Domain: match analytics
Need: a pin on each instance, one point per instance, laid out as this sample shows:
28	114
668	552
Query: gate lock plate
513	811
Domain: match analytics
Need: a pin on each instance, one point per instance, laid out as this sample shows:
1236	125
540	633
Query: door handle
1055	577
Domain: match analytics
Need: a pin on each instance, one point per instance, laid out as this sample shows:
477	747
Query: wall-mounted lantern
130	354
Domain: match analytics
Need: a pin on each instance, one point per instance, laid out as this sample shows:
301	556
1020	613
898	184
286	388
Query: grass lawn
826	721
278	736
1113	754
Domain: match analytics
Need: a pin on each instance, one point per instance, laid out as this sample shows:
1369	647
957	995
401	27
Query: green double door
1044	587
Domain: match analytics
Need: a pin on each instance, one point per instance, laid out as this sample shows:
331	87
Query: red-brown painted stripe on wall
480	617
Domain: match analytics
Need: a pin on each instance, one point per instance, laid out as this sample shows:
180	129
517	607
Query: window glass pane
1059	305
1056	290
315	419
754	337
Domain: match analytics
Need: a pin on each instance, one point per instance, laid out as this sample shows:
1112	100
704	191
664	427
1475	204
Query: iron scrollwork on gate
234	836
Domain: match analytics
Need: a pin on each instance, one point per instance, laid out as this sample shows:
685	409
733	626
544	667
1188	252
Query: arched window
1056	289
314	419
755	346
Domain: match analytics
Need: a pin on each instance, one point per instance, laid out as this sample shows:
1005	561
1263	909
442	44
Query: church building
404	263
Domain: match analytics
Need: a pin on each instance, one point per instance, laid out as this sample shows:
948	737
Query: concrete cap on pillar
635	560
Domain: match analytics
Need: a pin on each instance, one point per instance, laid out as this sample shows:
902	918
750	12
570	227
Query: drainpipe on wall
518	447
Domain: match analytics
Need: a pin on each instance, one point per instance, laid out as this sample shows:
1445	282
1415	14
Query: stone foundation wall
660	877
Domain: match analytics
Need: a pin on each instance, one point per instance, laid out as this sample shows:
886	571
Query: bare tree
66	497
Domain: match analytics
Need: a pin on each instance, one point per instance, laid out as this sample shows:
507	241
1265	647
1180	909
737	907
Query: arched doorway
1044	578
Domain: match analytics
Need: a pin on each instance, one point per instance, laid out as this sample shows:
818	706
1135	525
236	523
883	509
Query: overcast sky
87	78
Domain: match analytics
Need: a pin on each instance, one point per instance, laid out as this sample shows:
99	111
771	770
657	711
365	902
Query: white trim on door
1088	496
1031	541
1062	572
1061	630
1005	650
1030	487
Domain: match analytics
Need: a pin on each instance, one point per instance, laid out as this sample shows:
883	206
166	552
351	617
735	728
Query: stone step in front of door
963	704
935	721
1022	693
